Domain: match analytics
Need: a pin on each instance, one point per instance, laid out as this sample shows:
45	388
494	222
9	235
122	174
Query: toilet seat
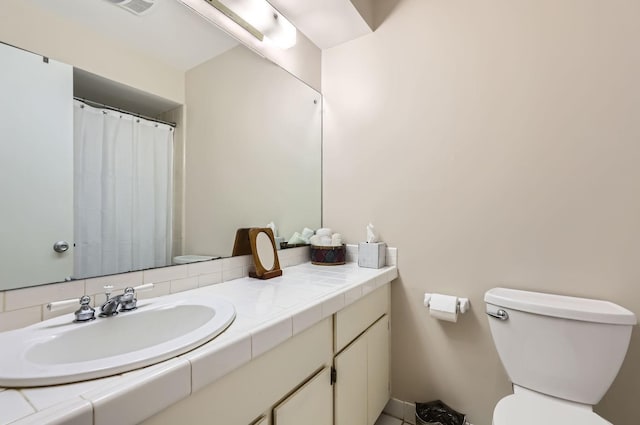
528	409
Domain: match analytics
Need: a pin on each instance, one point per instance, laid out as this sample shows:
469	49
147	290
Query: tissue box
372	255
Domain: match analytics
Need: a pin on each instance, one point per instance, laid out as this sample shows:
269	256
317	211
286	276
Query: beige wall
253	151
494	143
34	29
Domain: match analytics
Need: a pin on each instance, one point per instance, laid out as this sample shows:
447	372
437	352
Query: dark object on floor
437	413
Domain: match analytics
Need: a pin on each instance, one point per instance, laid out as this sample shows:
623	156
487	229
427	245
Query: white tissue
273	228
442	307
336	239
371	234
324	232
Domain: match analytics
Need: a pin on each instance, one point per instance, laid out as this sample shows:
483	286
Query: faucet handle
129	301
59	305
85	312
144	288
108	289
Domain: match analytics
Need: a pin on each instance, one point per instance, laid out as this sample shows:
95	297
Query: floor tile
388	420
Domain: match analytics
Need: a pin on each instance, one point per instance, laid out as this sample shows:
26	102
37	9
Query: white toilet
561	354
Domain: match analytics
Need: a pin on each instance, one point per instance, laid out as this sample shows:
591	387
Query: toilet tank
566	347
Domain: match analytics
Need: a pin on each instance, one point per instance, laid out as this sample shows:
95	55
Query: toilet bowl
561	354
526	407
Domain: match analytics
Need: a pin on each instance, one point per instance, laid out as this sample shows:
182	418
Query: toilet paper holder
462	306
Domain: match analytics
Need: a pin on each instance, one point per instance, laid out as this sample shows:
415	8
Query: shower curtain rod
102	105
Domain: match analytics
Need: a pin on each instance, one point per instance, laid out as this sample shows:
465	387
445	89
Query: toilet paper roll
443	307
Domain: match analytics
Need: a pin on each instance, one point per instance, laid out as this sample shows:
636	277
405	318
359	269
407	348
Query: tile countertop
267	313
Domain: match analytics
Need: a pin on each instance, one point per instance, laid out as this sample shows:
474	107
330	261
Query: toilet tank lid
562	306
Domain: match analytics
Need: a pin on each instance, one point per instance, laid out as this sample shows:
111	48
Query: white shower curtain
123	168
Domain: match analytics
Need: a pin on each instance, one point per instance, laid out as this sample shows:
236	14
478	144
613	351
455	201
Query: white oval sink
58	351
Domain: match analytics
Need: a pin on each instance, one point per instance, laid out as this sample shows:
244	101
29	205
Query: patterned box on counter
372	255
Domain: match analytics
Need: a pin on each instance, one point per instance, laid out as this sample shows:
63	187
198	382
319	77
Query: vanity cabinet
312	404
279	378
361	338
292	383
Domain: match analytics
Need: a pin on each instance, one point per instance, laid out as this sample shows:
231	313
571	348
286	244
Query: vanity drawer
355	319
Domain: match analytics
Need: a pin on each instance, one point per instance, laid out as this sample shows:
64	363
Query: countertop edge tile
305	318
270	334
208	367
74	411
14	406
142	393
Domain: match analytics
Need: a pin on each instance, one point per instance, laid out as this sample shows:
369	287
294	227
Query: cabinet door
261	421
351	384
309	405
377	368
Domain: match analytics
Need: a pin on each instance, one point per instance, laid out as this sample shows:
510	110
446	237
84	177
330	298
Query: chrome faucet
126	302
84	314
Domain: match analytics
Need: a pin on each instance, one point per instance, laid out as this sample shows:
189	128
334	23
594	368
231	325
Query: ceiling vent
137	7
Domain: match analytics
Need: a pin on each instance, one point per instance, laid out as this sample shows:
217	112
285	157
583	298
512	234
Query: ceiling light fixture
257	17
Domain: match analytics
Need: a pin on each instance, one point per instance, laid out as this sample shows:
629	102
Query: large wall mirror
142	140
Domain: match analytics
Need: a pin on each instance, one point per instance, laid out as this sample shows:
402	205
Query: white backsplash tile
181	285
164	274
392	257
233	262
118	281
235	273
352	254
20	318
28	305
27	297
204	267
210	279
159	289
13	406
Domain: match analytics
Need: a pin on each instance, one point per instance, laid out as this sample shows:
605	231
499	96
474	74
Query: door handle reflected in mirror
61	246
